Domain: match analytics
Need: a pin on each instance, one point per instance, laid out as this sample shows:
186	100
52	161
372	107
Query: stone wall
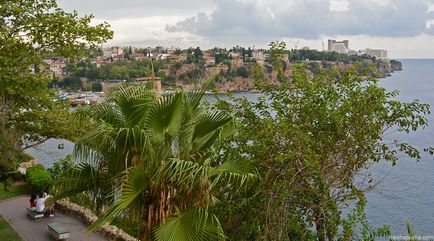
88	217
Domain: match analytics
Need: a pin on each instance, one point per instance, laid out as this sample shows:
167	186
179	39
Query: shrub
38	178
18	176
243	72
10	163
61	166
8	184
24	157
8	166
96	86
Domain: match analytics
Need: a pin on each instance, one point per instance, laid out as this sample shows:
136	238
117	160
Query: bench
33	214
57	231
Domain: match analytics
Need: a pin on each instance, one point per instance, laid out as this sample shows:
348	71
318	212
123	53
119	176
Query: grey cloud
115	9
309	19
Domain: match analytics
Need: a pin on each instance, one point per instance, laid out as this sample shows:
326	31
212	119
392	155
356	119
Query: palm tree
154	159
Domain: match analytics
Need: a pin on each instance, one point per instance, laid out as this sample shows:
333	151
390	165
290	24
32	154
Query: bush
8	184
8	166
38	178
96	86
18	176
10	163
24	157
243	72
61	166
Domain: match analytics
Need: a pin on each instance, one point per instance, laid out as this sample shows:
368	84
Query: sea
404	192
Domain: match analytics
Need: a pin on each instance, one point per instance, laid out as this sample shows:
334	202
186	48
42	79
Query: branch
27	145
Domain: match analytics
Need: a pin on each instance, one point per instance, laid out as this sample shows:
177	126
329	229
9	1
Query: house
234	55
55	66
209	60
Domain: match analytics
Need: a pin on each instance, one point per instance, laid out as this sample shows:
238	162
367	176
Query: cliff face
226	79
396	65
385	68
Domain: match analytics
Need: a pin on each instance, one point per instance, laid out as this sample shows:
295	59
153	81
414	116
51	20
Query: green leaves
165	117
310	138
29	32
194	224
159	152
134	183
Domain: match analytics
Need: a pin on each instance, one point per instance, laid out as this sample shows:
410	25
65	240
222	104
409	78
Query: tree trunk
147	236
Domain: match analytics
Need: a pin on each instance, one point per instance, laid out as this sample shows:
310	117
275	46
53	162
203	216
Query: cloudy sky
404	27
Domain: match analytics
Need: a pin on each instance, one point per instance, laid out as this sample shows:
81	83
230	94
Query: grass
7	233
17	189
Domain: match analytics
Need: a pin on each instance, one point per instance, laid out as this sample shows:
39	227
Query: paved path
14	211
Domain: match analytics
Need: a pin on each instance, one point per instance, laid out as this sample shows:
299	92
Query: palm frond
84	154
193	98
165	117
207	129
133	186
235	172
83	178
132	103
183	173
108	113
194	224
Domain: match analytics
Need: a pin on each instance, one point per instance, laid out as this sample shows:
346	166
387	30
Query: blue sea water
405	191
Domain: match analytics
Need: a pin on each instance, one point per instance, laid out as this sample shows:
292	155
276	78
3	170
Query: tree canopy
29	32
312	139
154	160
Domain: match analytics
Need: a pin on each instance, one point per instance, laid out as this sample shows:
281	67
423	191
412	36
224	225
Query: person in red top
33	201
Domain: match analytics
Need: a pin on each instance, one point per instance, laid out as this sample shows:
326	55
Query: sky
403	27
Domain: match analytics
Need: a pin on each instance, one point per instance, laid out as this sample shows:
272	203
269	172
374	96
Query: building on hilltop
338	46
378	53
209	59
260	56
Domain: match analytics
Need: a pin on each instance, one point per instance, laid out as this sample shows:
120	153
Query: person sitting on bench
33	201
40	204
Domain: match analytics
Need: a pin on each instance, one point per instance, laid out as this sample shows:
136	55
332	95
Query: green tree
198	55
243	72
9	146
29	31
38	178
158	155
220	56
276	51
61	166
96	86
310	138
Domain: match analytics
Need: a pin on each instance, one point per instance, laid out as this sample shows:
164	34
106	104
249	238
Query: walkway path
14	211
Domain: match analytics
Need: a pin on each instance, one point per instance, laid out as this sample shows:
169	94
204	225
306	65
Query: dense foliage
61	167
154	160
29	31
312	139
39	179
312	54
174	167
